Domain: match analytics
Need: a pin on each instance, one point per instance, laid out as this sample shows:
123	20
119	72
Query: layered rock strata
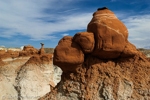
27	77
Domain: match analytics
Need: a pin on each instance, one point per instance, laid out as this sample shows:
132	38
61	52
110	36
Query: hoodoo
101	64
68	54
106	38
42	49
110	34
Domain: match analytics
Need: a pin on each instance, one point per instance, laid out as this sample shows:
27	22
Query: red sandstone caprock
110	34
68	54
85	40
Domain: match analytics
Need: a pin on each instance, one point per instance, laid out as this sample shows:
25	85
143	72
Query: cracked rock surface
27	78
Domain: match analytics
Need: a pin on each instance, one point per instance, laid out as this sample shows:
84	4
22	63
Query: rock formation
110	34
100	64
68	54
28	48
86	41
8	73
28	76
34	76
42	49
114	70
28	51
2	52
1	62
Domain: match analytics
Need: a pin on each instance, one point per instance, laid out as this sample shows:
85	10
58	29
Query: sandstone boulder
129	51
85	40
110	34
68	54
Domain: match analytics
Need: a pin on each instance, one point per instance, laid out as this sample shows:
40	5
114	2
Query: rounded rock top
102	8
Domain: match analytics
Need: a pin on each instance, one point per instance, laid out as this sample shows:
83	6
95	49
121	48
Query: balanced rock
42	49
110	34
85	40
68	54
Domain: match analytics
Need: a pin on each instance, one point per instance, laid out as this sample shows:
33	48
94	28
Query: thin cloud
65	34
139	30
2	46
19	17
68	10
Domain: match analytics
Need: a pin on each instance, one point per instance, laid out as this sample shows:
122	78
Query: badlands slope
27	75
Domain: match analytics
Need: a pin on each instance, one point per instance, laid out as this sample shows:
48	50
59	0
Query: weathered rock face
8	73
1	62
25	78
86	41
33	78
129	51
28	51
96	79
2	51
28	48
68	54
110	34
115	70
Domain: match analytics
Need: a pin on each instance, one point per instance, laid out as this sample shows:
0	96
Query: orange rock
126	77
2	63
10	51
28	51
129	51
2	51
52	83
43	59
110	34
67	54
85	40
42	49
29	48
